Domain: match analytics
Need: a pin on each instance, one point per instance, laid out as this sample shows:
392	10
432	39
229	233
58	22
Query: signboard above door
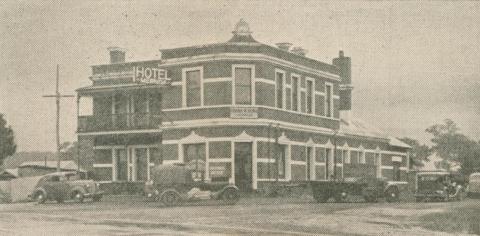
150	75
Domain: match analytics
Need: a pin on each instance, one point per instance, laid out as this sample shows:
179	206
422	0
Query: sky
414	64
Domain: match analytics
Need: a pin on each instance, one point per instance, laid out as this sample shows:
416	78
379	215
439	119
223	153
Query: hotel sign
149	75
244	112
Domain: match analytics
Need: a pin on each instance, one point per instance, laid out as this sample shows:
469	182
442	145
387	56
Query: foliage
7	140
418	153
453	146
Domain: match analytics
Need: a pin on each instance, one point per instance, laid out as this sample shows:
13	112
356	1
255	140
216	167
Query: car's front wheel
392	195
230	196
97	198
40	197
78	197
170	198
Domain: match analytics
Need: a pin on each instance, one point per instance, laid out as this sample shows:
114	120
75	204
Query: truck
371	189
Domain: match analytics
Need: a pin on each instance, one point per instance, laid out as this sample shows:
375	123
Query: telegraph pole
57	97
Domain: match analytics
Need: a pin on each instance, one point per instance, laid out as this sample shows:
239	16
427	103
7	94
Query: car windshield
73	177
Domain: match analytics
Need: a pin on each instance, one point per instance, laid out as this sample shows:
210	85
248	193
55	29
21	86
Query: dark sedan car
61	186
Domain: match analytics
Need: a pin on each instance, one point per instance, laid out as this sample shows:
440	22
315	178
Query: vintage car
173	184
438	186
473	190
371	189
61	186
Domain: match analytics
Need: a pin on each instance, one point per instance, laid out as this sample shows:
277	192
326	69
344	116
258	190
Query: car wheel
97	198
370	198
419	199
78	197
230	196
341	197
392	195
59	200
40	197
321	198
170	198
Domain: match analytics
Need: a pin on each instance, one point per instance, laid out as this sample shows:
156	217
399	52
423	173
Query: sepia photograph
239	117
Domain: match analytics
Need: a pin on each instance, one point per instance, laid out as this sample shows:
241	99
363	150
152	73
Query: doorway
243	166
310	160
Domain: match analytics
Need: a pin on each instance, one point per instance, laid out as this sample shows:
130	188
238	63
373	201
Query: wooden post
58	97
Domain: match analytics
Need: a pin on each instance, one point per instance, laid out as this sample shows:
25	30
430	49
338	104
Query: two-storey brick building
239	111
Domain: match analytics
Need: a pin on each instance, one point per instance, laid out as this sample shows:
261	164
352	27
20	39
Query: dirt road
264	216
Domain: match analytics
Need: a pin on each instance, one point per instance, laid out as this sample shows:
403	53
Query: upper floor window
295	87
310	96
280	80
243	85
328	100
193	86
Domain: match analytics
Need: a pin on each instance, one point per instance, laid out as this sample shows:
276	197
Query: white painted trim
220	160
248	57
259	106
108	147
217	80
232	163
184	84
281	180
320	93
207	161
177	83
265	81
313	95
254	165
252	82
265	160
320	164
292	162
391	168
104	165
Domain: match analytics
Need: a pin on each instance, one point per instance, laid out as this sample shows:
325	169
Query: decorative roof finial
242	28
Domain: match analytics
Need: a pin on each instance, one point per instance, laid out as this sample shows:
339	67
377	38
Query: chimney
284	46
299	51
117	55
344	65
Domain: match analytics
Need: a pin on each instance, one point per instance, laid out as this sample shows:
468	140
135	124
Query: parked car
438	186
61	186
370	188
473	190
173	184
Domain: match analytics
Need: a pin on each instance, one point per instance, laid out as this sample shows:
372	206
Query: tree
453	146
7	140
418	153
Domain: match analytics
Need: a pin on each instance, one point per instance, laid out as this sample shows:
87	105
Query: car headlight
149	195
88	185
439	191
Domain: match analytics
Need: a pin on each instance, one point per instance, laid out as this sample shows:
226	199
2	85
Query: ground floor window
194	158
281	153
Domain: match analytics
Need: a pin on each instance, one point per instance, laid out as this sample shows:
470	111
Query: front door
122	166
310	164
243	166
138	164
